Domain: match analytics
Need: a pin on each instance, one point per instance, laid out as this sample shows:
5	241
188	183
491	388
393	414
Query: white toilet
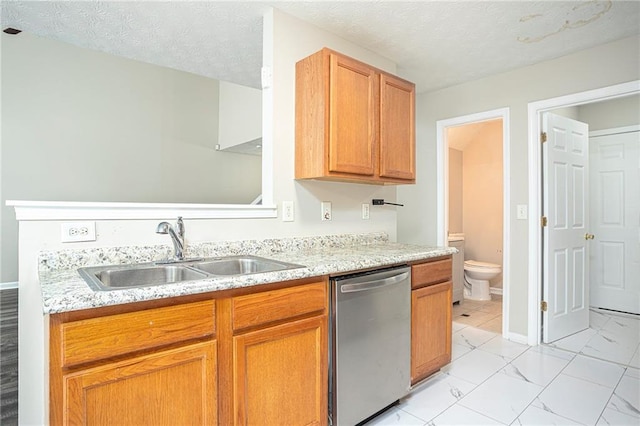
477	276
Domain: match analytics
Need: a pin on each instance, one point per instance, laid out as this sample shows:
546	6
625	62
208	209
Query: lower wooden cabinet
431	331
431	316
177	386
280	374
255	358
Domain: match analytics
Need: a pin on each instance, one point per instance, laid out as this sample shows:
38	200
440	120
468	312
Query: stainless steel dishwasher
370	343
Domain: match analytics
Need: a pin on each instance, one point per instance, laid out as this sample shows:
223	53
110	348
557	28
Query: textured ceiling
435	43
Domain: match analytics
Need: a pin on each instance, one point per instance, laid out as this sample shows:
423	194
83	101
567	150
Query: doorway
475	121
536	190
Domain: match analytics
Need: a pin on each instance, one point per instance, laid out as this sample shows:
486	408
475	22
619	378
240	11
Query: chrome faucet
177	236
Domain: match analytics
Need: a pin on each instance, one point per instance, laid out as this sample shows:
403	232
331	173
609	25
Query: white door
565	204
615	216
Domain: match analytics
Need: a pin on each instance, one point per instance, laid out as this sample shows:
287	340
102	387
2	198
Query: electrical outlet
325	210
77	231
287	211
365	211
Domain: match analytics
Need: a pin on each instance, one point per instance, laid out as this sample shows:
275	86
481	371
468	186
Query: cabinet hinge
543	137
543	221
543	306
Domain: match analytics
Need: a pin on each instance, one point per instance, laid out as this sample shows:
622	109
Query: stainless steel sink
142	275
129	276
242	265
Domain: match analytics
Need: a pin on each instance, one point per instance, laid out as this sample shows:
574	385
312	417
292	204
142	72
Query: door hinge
543	137
543	221
543	306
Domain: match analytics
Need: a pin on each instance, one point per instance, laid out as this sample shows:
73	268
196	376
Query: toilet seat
478	264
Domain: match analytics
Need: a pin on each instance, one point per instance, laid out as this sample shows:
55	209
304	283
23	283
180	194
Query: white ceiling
434	43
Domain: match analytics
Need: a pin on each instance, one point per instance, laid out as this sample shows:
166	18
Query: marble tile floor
493	381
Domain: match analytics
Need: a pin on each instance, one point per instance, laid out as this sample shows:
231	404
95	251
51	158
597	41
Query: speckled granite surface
64	290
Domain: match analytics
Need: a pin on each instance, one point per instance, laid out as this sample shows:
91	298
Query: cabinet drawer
430	273
113	335
277	305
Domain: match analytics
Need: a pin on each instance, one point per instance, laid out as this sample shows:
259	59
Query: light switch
521	211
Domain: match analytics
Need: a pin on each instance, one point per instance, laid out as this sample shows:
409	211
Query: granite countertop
64	290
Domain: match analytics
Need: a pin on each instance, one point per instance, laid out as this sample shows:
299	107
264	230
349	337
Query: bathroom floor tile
491	308
460	309
502	397
576	399
475	318
493	325
459	415
439	394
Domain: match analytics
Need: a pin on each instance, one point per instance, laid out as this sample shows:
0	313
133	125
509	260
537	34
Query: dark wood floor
9	357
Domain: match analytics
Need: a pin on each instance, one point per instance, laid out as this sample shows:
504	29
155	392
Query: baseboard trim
8	285
517	337
495	290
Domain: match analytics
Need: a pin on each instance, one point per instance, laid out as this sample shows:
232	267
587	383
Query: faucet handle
180	226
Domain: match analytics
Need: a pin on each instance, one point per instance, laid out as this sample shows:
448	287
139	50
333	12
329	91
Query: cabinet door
280	374
397	128
430	329
353	109
176	386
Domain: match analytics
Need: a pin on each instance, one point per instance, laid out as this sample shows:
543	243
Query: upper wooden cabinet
353	122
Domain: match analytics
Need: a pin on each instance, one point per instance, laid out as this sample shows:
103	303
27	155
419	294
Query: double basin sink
116	277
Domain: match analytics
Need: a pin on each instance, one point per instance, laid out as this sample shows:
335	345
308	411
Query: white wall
456	188
600	66
609	114
240	114
81	125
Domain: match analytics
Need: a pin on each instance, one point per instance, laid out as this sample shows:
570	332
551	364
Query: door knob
589	236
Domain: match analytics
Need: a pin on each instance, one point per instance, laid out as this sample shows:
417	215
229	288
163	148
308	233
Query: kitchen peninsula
212	345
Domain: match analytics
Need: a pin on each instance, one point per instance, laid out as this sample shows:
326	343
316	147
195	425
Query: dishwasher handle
370	285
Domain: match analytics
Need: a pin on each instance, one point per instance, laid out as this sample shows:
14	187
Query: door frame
442	191
535	111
